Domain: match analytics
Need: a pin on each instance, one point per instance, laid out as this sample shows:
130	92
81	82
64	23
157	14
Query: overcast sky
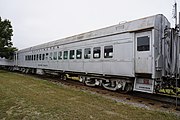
39	21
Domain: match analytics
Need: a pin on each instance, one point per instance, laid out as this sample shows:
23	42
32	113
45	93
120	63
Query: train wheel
64	77
128	87
90	82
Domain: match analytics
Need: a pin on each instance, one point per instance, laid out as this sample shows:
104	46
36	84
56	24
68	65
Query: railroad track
159	97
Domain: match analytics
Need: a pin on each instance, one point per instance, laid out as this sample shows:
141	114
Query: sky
39	21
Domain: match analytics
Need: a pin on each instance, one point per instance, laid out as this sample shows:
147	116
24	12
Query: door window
143	43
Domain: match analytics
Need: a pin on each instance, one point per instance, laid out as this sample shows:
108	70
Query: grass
170	91
25	97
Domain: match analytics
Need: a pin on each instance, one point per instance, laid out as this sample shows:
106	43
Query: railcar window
55	56
65	55
34	57
37	56
143	43
60	55
50	56
47	55
71	55
97	52
79	54
29	57
87	53
108	51
40	56
43	56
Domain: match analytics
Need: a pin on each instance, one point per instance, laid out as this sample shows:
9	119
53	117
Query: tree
6	32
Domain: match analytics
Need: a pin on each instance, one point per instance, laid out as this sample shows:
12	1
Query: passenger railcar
6	62
128	56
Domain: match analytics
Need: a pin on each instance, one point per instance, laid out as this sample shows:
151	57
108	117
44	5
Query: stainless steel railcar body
131	50
6	62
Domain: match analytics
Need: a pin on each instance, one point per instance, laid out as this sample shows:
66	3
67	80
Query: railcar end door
143	53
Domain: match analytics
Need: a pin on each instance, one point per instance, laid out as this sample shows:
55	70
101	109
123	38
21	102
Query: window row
73	54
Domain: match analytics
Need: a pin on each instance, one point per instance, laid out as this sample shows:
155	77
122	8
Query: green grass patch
26	97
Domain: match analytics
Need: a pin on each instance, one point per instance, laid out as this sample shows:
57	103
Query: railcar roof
131	26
